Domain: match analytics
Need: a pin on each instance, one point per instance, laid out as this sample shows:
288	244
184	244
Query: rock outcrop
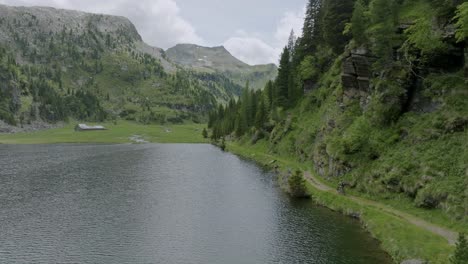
356	74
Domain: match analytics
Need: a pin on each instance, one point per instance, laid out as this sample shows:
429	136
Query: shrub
297	185
461	252
430	198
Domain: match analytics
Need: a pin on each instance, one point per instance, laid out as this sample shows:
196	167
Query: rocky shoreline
33	127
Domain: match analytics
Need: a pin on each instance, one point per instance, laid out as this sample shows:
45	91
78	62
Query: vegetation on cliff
372	94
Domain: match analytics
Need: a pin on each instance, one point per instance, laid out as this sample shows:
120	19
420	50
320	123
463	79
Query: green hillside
61	64
381	109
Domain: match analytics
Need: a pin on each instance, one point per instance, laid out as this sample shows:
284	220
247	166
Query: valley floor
122	132
403	233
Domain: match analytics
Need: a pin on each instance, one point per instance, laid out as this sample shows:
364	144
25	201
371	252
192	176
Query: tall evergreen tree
384	18
310	29
292	43
282	80
261	115
334	17
359	23
294	63
269	94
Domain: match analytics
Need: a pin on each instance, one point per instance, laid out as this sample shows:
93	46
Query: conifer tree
282	80
268	94
293	86
359	23
383	17
292	44
261	115
335	15
310	29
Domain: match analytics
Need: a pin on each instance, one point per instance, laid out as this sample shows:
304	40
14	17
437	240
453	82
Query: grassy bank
116	133
401	239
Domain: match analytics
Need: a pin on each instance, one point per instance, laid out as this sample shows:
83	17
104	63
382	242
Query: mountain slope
99	63
218	59
382	113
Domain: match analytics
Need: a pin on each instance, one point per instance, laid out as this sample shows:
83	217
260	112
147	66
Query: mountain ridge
219	59
85	66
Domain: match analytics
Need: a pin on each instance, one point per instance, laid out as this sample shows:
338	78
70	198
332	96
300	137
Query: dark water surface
161	204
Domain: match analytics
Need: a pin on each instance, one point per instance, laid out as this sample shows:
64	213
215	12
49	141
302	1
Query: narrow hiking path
446	233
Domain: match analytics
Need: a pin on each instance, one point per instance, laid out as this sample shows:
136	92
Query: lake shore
398	237
122	132
401	239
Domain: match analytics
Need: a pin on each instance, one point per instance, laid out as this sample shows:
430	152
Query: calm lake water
161	204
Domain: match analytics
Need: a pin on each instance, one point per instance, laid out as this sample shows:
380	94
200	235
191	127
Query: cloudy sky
252	30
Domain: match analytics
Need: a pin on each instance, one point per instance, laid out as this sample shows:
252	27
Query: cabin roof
86	127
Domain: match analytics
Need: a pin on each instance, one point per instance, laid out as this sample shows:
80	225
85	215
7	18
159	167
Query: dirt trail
446	233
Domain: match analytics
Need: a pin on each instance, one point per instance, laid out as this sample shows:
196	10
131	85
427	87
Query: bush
297	185
430	198
461	252
8	118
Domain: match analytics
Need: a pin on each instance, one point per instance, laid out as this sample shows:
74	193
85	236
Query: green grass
399	238
120	133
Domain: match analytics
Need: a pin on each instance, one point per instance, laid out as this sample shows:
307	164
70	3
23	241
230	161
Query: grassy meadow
122	132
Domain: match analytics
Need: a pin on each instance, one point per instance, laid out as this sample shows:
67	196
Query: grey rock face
414	261
31	20
356	71
34	23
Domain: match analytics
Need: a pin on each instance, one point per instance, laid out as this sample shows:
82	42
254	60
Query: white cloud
158	21
289	21
161	24
253	50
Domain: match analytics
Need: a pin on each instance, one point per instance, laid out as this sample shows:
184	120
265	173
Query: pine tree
335	15
282	80
310	29
261	115
253	107
383	17
359	23
292	43
292	85
240	125
297	185
268	93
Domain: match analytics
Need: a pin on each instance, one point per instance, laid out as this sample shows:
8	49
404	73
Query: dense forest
374	94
